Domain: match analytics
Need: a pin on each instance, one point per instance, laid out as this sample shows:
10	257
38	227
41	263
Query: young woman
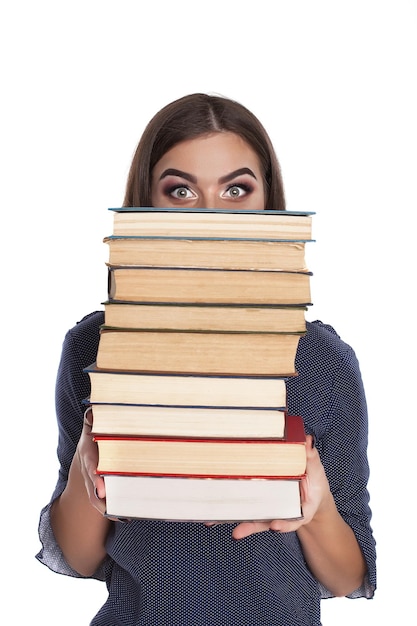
206	151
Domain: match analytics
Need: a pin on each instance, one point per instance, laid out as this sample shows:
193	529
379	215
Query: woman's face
218	171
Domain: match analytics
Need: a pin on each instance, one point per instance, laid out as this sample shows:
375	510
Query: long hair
193	116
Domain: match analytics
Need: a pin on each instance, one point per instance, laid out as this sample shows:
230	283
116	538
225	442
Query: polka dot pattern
185	574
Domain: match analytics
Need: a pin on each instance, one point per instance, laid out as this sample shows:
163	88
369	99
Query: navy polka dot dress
186	574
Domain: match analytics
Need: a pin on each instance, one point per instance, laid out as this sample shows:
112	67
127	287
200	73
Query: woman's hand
315	493
87	457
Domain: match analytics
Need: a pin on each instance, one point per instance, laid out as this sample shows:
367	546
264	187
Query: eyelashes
233	191
179	192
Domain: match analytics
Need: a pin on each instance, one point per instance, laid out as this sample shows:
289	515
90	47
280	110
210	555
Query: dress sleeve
72	387
343	450
329	394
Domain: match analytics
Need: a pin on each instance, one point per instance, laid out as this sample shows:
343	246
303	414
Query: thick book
222	458
209	253
201	352
186	285
186	390
173	421
162	316
199	499
263	224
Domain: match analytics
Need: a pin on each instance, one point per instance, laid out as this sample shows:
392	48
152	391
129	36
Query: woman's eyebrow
173	172
239	172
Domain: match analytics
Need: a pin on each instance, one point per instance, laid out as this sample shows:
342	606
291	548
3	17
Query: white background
334	83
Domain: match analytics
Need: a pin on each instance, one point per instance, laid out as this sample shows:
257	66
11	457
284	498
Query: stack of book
204	313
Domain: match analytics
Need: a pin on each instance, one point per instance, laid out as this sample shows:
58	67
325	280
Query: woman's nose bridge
208	199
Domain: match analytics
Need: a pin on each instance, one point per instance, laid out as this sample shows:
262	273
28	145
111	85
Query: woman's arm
77	515
329	544
332	552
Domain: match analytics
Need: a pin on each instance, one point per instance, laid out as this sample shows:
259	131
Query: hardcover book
174	421
232	318
185	390
196	286
262	224
209	253
206	458
199	499
245	354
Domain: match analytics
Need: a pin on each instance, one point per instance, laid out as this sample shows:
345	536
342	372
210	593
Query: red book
206	458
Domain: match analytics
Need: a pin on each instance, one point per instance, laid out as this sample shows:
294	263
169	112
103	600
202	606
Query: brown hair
190	117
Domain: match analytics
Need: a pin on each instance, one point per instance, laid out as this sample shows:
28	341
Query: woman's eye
180	193
237	191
